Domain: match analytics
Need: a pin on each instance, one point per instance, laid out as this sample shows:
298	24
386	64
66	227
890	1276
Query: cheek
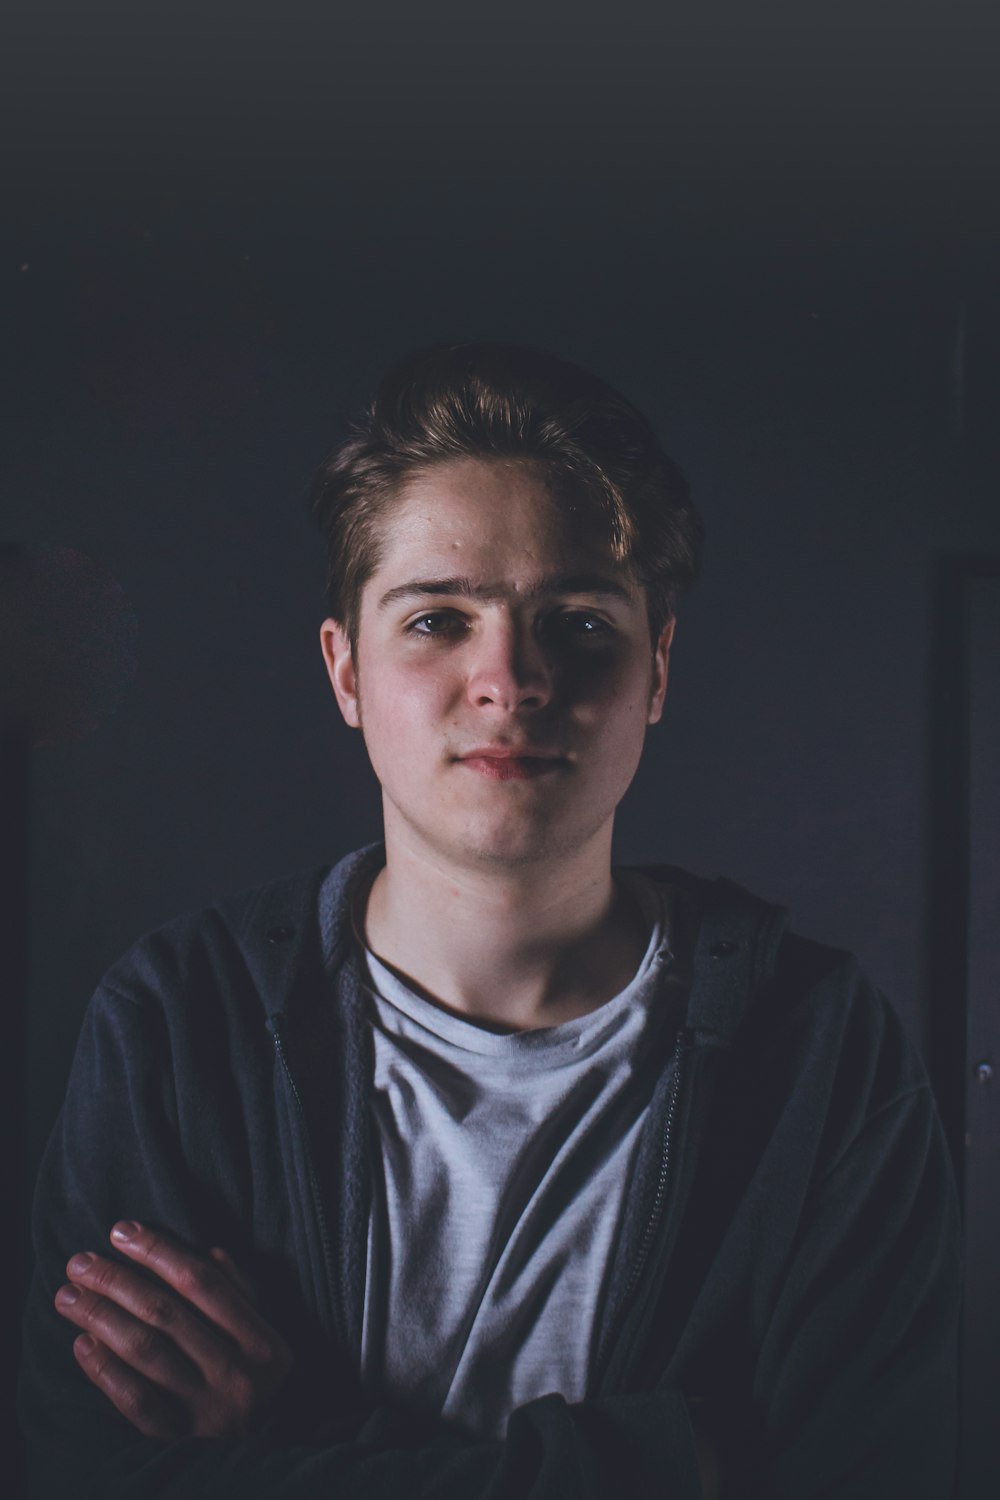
411	698
615	693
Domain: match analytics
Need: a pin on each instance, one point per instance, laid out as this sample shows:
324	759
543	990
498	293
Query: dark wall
774	231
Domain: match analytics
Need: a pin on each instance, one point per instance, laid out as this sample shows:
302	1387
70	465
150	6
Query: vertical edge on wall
946	925
963	928
981	1140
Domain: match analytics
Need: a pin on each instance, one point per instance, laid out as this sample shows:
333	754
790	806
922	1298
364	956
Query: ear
661	664
340	667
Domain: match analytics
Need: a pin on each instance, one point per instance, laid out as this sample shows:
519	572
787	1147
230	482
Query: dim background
774	228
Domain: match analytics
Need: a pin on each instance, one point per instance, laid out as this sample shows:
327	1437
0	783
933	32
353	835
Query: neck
512	948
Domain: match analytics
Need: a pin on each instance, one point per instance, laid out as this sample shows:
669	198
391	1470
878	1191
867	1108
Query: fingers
182	1349
138	1322
149	1410
201	1282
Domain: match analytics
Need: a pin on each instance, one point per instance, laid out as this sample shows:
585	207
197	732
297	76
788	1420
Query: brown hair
489	400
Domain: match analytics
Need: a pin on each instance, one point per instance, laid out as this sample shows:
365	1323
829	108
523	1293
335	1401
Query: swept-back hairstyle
594	449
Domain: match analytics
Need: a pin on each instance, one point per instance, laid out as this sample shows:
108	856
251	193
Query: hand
196	1360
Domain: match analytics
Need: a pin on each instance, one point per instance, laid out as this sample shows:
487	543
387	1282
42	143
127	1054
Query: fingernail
84	1344
66	1296
79	1264
127	1230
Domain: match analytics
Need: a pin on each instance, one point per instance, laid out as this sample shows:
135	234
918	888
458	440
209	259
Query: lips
511	752
512	763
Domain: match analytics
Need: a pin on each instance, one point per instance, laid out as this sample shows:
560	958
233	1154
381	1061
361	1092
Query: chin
512	848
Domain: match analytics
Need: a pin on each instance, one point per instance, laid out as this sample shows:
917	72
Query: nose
509	669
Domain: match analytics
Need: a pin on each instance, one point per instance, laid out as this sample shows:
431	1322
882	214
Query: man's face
504	675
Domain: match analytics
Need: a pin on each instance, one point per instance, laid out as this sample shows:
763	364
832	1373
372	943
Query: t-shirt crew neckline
541	1045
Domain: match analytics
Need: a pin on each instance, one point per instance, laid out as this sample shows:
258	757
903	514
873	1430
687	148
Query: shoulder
853	1059
788	1004
256	946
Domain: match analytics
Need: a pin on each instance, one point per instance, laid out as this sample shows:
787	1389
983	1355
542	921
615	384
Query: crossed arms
192	1389
187	1354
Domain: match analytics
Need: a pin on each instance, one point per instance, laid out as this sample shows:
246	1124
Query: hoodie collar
292	930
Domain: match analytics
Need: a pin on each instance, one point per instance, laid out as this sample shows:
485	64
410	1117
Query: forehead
490	508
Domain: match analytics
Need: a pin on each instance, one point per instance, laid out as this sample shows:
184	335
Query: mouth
505	764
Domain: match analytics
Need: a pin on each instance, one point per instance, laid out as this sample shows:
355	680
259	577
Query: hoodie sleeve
812	1297
857	1372
115	1152
855	1309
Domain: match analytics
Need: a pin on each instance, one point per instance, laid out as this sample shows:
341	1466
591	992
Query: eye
580	624
435	622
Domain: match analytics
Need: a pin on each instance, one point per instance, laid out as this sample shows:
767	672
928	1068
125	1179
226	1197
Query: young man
473	1166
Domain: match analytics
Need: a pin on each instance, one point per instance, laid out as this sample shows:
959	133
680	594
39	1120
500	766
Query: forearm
640	1446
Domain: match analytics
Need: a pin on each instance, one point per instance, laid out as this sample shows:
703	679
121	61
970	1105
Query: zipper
318	1205
681	1046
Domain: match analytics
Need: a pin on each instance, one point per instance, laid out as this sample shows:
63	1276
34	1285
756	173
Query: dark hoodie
786	1277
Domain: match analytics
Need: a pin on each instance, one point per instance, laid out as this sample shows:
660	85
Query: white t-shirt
501	1167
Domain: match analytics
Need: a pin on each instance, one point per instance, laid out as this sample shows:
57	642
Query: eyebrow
558	583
